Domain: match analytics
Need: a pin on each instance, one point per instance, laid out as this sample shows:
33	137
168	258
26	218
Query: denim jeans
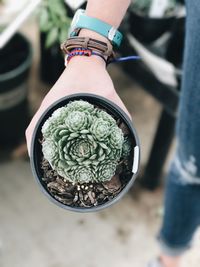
182	196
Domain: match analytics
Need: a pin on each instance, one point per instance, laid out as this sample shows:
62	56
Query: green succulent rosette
126	148
77	121
50	151
83	174
116	138
100	129
82	143
80	105
54	121
105	116
106	170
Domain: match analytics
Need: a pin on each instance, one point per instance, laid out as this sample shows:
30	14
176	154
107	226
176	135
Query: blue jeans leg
182	214
182	196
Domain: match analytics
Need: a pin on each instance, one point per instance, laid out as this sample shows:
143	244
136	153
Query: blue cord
81	52
115	60
120	59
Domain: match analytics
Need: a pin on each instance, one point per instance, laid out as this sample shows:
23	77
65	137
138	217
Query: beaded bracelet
82	52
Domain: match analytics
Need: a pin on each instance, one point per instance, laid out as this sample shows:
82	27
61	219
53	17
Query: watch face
75	19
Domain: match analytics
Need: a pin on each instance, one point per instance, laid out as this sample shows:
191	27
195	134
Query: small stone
101	196
82	186
86	188
70	188
80	195
91	197
86	197
113	185
66	195
56	186
60	181
75	198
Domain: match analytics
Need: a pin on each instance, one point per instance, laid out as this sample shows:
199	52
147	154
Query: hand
82	75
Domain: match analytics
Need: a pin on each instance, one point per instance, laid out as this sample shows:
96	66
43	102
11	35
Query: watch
82	21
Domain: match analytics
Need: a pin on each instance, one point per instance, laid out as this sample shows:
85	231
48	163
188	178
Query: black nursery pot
36	151
51	61
147	29
15	58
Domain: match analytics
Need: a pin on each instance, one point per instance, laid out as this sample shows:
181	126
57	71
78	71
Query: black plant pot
36	151
147	29
15	64
51	61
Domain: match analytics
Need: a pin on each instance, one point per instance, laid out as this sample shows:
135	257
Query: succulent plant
54	21
127	146
82	143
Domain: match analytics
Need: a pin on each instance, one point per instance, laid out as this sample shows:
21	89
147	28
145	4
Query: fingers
31	127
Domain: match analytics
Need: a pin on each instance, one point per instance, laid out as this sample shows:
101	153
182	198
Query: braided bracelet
87	43
85	46
82	52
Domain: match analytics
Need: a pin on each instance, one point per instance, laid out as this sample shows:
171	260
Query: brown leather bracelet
87	43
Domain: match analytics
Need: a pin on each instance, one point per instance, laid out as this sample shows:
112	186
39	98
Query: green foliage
54	21
143	6
82	143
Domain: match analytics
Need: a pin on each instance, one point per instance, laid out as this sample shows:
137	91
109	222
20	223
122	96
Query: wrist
94	35
92	61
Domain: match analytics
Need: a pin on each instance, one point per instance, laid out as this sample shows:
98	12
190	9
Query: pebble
90	195
81	196
86	197
75	198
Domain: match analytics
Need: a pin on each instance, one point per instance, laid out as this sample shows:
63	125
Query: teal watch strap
94	24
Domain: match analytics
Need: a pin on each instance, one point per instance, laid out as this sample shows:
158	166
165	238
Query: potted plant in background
72	6
84	153
149	19
54	25
155	30
16	59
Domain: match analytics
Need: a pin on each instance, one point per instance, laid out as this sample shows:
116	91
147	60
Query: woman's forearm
109	11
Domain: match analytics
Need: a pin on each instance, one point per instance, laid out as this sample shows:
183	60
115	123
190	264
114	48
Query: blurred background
33	231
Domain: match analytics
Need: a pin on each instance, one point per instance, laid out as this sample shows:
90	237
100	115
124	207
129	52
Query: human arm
91	72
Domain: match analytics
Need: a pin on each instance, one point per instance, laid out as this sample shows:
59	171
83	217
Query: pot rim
125	118
23	66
